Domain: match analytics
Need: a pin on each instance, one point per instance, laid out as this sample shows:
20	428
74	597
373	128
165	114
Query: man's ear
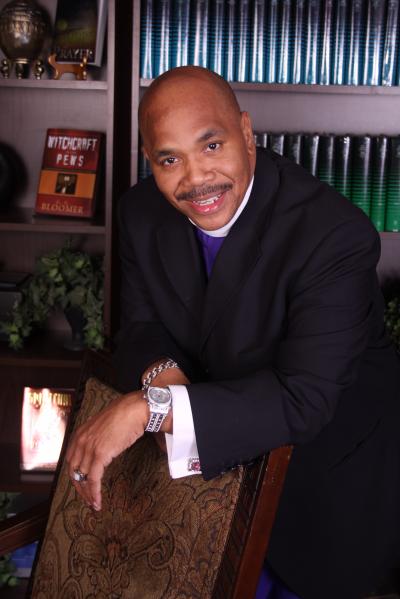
247	129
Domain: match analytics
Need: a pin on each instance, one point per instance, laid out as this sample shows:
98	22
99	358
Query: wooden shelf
55	84
359	90
24	220
42	351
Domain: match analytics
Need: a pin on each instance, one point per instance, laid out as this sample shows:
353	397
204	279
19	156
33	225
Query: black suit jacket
284	344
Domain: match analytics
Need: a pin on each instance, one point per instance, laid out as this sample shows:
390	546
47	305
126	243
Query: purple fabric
269	585
210	247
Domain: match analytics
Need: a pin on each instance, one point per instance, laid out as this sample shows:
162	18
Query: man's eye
213	146
168	161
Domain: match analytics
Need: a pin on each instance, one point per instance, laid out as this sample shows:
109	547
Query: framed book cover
70	175
45	413
79	30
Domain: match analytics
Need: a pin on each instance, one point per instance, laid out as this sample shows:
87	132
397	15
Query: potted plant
391	293
7	568
66	279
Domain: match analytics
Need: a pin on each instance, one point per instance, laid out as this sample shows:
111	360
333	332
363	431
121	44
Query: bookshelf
29	107
298	108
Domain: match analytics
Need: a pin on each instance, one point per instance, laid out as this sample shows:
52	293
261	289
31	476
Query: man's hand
102	438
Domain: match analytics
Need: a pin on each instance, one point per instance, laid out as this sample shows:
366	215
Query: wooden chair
155	537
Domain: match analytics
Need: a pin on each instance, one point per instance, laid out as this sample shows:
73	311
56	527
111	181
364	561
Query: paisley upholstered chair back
154	538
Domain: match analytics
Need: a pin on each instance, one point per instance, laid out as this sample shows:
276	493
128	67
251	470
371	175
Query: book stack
340	42
363	168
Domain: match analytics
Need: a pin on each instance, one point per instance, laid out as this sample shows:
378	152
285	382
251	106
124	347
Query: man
250	295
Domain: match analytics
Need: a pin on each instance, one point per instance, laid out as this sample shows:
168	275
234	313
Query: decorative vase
76	321
23	28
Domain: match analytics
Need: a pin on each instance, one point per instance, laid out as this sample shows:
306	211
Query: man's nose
197	172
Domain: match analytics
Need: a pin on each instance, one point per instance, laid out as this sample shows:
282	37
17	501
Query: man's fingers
94	483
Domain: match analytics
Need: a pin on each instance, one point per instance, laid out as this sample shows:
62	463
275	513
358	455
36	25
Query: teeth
208	201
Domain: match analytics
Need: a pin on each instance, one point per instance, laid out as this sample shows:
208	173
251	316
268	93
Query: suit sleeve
142	338
329	313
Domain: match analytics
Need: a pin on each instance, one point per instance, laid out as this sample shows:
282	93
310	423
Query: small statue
79	70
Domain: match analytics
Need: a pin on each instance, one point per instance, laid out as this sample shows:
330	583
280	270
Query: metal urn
23	28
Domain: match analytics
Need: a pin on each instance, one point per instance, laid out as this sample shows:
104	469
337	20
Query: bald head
191	83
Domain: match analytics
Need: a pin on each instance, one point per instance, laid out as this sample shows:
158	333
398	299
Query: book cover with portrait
69	179
45	413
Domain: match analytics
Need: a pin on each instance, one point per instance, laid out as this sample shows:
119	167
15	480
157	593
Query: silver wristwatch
159	400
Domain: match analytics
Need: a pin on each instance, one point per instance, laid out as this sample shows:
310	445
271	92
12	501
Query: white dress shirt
183	456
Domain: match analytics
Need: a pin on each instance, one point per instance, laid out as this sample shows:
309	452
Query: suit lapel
241	249
182	262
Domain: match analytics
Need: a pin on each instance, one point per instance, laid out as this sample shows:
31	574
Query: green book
277	142
343	165
261	139
326	159
361	172
392	222
379	167
309	154
292	147
79	30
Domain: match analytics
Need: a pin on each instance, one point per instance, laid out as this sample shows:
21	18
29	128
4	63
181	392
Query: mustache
199	192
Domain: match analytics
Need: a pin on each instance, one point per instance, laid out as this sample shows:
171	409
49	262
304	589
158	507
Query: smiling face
200	146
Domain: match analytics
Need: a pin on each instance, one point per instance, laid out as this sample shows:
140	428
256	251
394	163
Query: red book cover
45	415
69	179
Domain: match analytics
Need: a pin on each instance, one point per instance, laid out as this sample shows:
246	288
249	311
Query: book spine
264	137
180	33
298	42
198	35
326	159
391	43
146	39
284	70
242	63
312	29
361	172
292	149
355	43
230	41
161	37
216	42
374	42
379	164
309	155
258	42
325	68
343	165
277	143
340	43
392	222
272	42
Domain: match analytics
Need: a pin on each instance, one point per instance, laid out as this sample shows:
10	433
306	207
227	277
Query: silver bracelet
151	375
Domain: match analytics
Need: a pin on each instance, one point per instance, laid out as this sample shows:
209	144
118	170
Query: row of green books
363	168
343	42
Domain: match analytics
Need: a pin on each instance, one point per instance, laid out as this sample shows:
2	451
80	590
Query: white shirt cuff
183	456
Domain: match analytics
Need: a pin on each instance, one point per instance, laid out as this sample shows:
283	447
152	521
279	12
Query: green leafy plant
7	568
391	293
64	278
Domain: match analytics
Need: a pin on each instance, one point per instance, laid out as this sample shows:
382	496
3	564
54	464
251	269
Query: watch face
159	395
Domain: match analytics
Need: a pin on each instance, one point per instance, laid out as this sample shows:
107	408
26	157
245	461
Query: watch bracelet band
151	375
155	422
